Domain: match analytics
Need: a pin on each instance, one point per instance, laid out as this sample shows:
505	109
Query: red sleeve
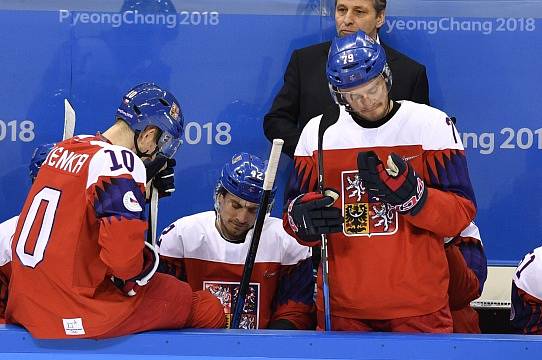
451	204
464	285
294	296
119	204
5	272
122	254
302	180
526	313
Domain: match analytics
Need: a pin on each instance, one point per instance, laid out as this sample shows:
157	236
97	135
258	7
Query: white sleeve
308	142
530	270
441	133
7	230
292	251
170	242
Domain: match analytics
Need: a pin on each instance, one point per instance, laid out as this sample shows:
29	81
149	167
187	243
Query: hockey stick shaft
153	215
323	251
269	180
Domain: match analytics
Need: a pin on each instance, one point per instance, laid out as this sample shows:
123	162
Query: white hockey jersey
7	229
281	285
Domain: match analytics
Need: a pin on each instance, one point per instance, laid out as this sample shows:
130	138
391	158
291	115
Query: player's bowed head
237	194
358	75
154	118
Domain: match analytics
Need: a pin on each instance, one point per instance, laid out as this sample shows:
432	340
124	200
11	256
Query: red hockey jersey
82	222
281	286
385	265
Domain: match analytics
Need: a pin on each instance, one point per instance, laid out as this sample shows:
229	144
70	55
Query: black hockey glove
150	265
397	185
164	181
155	165
312	214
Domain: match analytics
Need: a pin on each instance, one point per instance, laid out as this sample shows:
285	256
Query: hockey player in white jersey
526	312
7	229
208	250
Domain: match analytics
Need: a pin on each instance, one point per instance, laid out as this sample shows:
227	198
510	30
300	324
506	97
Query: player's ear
380	18
151	133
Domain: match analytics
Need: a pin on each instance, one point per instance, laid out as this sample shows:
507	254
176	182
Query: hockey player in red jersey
7	229
209	249
397	184
467	264
81	266
526	312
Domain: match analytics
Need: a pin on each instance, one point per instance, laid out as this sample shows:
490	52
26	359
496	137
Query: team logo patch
130	202
174	111
227	292
364	215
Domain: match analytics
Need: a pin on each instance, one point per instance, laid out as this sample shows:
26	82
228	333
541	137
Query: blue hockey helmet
243	177
149	105
354	60
38	157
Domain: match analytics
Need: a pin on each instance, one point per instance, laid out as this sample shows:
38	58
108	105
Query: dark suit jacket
305	93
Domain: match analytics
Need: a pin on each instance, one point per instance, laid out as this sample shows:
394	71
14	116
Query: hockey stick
330	116
268	182
69	120
153	215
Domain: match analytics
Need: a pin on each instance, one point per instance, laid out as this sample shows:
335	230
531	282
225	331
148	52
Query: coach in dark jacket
305	93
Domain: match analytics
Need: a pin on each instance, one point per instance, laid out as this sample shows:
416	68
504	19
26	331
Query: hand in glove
150	264
397	185
312	214
164	181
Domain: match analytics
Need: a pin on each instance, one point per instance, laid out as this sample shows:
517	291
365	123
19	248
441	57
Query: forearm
444	213
122	245
464	285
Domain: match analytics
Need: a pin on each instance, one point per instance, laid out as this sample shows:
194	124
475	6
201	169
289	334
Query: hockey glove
312	214
397	185
155	165
164	181
150	264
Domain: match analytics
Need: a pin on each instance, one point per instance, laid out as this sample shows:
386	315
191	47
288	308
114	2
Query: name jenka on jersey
65	160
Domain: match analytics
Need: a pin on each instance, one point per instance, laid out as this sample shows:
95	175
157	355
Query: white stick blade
69	120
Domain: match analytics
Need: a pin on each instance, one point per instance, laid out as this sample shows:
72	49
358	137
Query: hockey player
467	265
209	249
397	184
526	312
7	229
81	267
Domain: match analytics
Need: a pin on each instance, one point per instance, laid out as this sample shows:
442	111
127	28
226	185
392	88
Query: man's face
354	15
237	216
370	100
